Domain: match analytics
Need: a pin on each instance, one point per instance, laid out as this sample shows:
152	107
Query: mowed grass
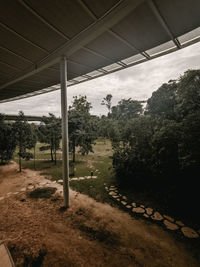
99	162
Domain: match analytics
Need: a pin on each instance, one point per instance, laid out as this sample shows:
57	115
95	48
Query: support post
65	143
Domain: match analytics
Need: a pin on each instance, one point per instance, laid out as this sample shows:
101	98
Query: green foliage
126	110
133	156
82	126
162	101
165	141
188	94
7	140
49	132
24	137
107	101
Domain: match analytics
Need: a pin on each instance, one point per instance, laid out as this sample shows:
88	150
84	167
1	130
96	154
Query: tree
35	138
49	132
24	138
107	102
126	110
188	94
82	126
7	140
162	102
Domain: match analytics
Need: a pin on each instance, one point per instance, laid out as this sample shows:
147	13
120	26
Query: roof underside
97	38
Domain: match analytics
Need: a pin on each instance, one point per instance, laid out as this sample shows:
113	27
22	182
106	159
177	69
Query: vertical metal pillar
65	143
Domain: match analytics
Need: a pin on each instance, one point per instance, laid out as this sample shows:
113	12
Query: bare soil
39	233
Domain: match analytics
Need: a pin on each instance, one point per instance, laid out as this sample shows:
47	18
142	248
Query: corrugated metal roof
97	37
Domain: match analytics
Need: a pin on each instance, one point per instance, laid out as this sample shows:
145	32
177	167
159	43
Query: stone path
82	178
151	214
44	159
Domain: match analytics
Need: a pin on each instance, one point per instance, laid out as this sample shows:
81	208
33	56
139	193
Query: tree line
157	145
24	136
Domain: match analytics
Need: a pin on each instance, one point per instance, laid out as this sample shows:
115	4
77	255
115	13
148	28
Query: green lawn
100	162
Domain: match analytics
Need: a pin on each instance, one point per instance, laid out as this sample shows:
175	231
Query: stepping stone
189	232
149	211
145	215
53	182
30	187
133	204
124	197
138	210
106	188
157	216
94	177
113	187
128	207
180	223
168	218
142	206
124	203
82	178
170	225
44	183
115	196
23	189
60	181
118	199
112	193
15	193
1	198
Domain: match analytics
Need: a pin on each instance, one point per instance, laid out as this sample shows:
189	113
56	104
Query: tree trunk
20	163
74	150
20	159
34	157
51	154
55	156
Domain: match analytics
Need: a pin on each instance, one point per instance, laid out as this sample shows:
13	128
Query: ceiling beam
43	20
92	15
111	60
10	66
17	55
23	38
116	35
162	22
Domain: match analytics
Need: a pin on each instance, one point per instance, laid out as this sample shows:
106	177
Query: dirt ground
39	233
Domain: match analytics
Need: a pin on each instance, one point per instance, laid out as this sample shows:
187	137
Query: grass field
100	162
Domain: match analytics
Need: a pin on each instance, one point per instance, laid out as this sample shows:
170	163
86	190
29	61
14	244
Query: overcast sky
136	82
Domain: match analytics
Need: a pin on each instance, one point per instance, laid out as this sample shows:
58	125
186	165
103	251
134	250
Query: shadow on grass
46	192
